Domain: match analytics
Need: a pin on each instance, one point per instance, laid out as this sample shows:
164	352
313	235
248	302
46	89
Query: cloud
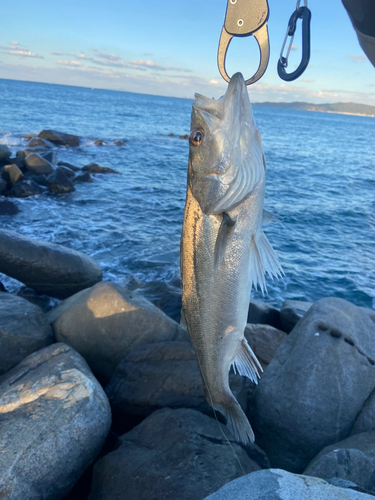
141	64
308	80
117	64
108	57
294	47
214	82
81	55
60	54
73	64
16	49
357	57
94	50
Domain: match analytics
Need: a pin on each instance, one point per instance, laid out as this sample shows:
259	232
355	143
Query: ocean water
320	185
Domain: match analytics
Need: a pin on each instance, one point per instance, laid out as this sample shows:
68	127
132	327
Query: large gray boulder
24	329
59	138
58	182
54	418
37	164
39	142
365	421
46	267
317	383
25	188
264	341
173	454
291	312
261	313
277	484
5	153
352	459
13	173
159	375
105	322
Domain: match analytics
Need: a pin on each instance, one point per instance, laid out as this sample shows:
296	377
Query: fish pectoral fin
268	217
225	230
246	363
263	260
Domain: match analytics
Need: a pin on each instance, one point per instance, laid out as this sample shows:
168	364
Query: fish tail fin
237	422
246	363
263	260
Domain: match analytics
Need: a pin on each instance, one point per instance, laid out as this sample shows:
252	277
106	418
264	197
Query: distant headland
346	108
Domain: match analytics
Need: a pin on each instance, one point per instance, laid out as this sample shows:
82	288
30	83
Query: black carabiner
300	13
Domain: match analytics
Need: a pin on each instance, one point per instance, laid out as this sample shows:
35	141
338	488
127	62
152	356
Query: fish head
226	158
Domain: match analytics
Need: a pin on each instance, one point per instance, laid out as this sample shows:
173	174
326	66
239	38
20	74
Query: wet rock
25	188
173	454
37	164
352	459
291	312
99	142
105	322
39	179
20	160
185	136
165	296
119	143
67	171
159	375
94	168
58	182
85	177
261	313
277	484
45	302
24	329
54	418
38	141
317	383
3	186
5	152
13	173
49	268
59	138
8	208
2	288
50	156
132	282
68	165
344	483
171	134
264	341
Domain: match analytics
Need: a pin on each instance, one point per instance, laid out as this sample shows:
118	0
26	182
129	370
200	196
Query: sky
169	47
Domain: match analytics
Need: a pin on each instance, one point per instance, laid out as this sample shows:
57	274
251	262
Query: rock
159	375
261	313
25	188
54	418
59	138
3	186
39	179
28	136
8	208
119	143
365	421
37	164
344	483
38	141
85	177
24	329
105	322
5	152
173	454
58	182
352	459
67	171
13	172
39	299
277	484
132	282
291	312
99	142
165	296
94	168
171	134
50	156
2	288
185	136
20	160
264	341
69	165
46	267
320	378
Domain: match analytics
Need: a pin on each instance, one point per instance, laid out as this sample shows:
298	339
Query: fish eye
196	137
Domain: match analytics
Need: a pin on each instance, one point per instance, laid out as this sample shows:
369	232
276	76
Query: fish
224	251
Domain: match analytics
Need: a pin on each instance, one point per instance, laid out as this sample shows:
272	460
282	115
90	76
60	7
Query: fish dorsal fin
225	230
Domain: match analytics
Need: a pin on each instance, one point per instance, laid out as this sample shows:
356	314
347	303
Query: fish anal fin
246	363
225	230
263	260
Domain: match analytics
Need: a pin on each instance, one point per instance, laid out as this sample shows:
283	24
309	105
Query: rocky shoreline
101	396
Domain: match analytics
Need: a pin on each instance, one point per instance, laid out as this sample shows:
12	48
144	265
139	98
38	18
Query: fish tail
237	422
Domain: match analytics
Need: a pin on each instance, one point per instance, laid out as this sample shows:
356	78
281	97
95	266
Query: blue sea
320	185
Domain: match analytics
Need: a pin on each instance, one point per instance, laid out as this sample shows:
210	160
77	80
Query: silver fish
223	248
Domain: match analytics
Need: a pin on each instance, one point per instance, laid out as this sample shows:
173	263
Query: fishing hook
245	18
300	13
